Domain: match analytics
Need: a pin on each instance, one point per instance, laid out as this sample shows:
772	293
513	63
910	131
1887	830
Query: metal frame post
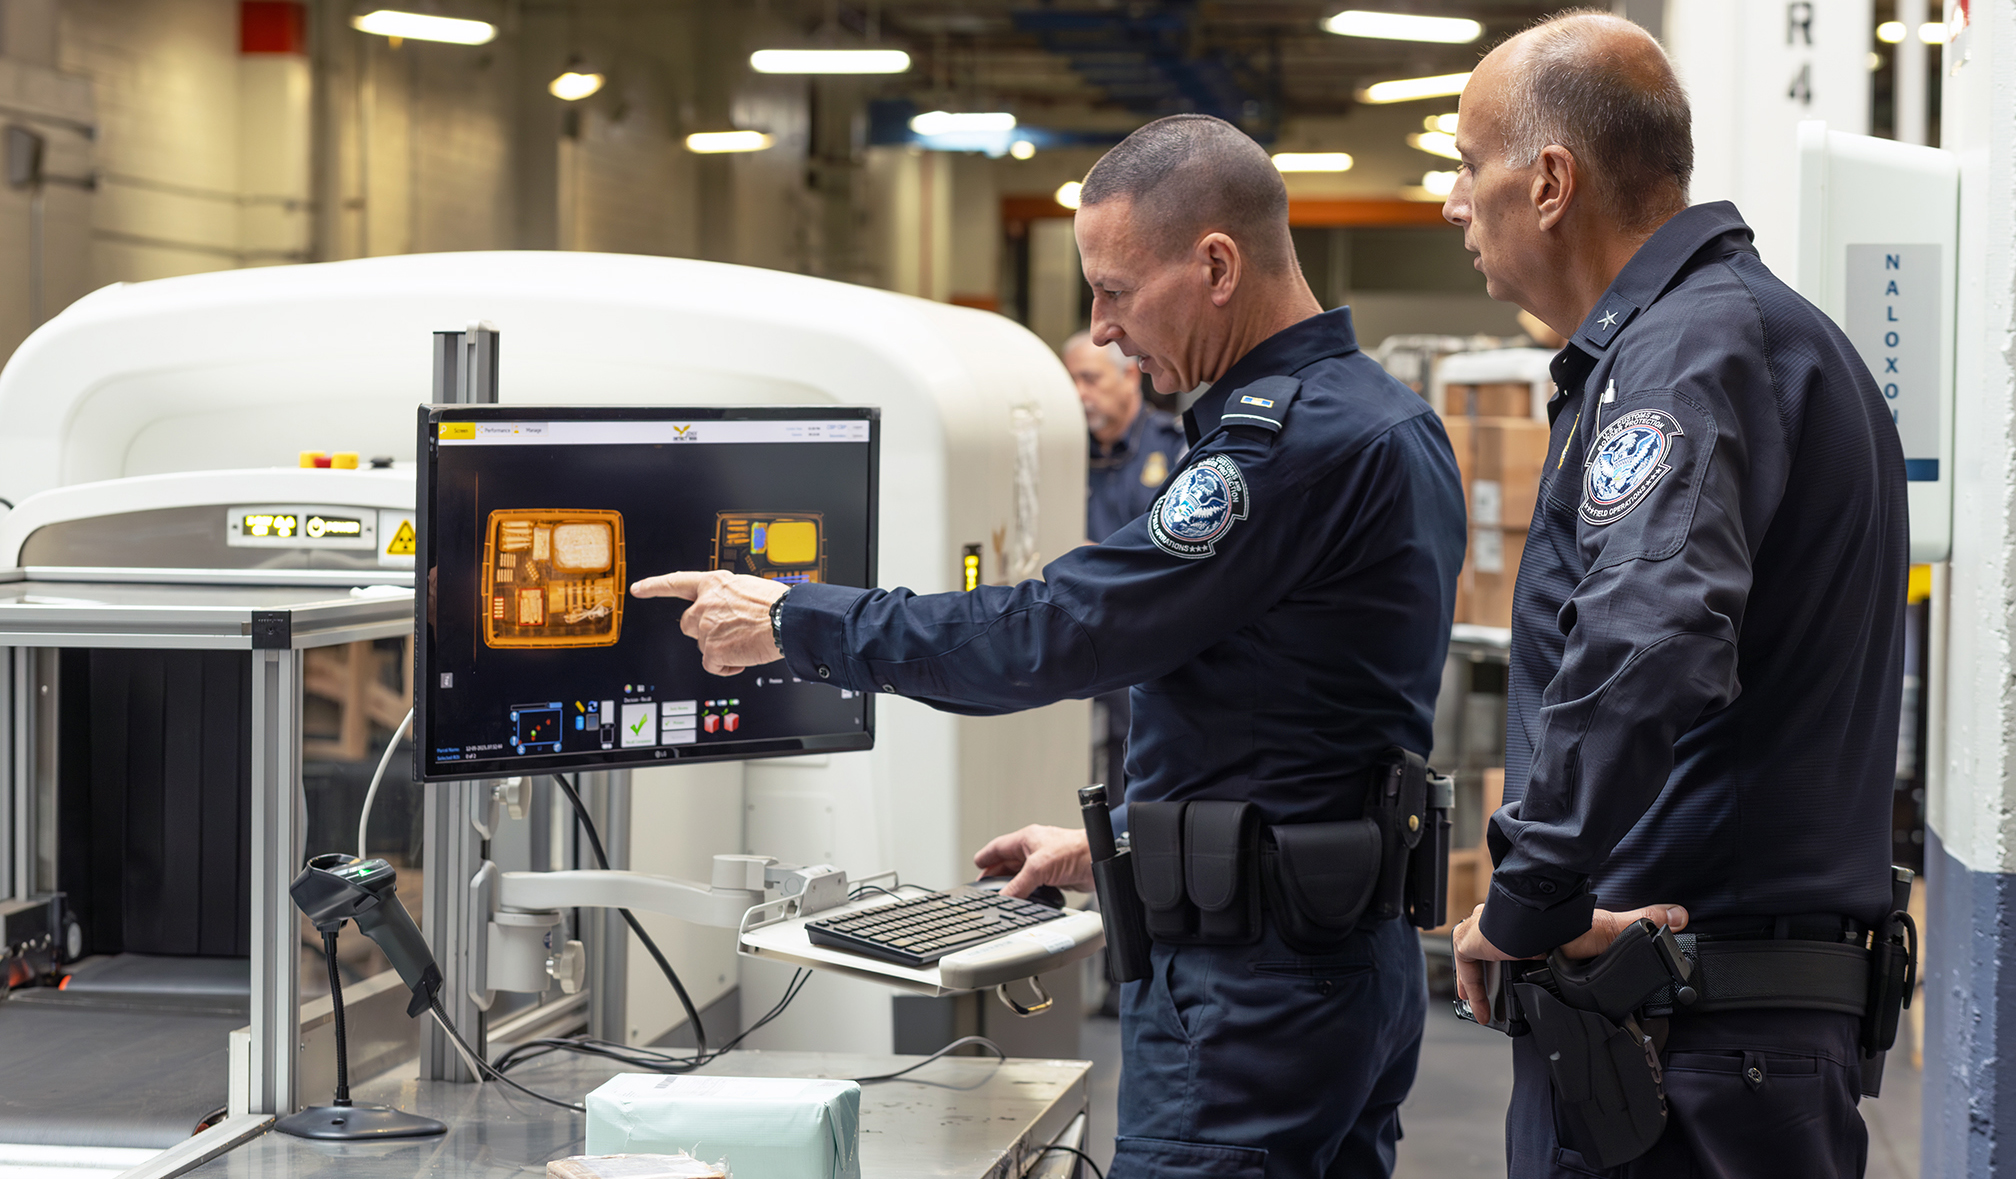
608	939
452	855
279	839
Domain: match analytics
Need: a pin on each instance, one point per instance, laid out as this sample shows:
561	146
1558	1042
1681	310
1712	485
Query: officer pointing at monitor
1707	653
1282	615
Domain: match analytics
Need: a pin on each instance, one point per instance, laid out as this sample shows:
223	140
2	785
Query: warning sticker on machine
399	541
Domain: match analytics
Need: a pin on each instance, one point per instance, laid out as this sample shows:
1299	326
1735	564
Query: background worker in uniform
1133	448
1284	608
1707	631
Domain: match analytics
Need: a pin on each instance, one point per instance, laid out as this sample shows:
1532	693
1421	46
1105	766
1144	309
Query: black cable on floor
1082	1157
630	919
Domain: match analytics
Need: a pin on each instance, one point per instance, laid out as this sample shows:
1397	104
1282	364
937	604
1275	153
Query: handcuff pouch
1319	879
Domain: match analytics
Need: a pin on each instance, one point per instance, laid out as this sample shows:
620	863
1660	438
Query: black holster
1893	975
1127	940
1608	1084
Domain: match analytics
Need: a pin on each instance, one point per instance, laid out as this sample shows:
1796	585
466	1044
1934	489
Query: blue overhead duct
1142	60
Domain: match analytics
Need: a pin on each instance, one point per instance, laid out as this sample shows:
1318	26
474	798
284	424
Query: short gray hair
1624	115
1109	350
1188	175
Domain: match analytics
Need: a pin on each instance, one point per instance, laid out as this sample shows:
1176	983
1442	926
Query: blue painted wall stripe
1970	1050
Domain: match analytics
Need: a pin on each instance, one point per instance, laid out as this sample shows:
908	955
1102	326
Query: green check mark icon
638	728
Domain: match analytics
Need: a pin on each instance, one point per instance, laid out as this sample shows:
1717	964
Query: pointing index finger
670	585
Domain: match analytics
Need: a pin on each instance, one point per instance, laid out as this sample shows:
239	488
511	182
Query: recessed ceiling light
1439	183
1890	32
829	61
1409	89
574	85
1022	149
1401	26
1312	161
418	26
713	142
1068	192
961	122
1435	143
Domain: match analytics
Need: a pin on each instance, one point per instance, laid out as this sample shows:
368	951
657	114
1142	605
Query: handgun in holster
1583	1016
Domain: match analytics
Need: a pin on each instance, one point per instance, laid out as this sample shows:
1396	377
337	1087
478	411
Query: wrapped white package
765	1127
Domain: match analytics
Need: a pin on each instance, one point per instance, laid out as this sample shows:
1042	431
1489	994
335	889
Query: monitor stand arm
525	909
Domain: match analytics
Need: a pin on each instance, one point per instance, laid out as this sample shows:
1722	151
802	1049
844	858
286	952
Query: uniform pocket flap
1216	838
1155	832
1329	870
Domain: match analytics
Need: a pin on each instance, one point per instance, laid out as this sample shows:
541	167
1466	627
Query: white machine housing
150	392
1879	227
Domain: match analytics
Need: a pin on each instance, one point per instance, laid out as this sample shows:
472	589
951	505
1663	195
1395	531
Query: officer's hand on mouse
1038	855
1473	949
730	615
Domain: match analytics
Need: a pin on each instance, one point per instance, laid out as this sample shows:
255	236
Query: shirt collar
1644	278
1289	350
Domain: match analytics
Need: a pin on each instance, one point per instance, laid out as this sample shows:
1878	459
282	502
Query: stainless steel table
955	1118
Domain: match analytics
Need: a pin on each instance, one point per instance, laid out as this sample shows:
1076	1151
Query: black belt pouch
1196	866
1319	879
1221	843
1155	836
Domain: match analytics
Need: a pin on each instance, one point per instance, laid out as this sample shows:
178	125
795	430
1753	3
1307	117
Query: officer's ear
1223	266
1556	183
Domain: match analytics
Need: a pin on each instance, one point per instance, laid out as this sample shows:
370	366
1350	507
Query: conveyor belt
134	1057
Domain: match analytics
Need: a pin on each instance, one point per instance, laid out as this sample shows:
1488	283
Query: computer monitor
531	656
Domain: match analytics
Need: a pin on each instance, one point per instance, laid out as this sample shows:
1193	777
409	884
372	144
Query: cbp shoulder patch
1199	509
1627	460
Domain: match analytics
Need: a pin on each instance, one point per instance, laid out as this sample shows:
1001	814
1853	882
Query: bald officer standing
1707	638
1284	611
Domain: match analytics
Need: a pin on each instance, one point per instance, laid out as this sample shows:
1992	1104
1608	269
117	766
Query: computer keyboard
917	932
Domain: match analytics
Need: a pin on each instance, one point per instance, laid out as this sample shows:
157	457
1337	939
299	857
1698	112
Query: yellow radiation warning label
398	541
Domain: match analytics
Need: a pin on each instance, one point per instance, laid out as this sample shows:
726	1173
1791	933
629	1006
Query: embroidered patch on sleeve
1199	508
1627	461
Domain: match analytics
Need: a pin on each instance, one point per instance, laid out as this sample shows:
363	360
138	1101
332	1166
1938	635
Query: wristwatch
777	618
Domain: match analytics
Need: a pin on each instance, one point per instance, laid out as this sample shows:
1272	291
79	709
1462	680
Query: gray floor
1455	1119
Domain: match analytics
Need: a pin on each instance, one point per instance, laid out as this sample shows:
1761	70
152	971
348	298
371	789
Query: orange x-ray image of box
552	577
782	546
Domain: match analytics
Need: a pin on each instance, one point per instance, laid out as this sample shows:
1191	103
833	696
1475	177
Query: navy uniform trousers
1766	1094
1239	1062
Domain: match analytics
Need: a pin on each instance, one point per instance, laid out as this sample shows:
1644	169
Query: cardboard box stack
1501	455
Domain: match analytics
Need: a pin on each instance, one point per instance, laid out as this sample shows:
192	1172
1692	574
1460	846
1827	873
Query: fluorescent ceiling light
1312	161
1409	89
418	26
829	61
711	142
1890	32
961	122
574	86
1439	183
1067	193
1443	123
1932	32
1022	149
1435	143
1400	26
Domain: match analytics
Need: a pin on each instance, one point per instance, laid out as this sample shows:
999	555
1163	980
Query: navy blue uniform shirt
1708	627
1283	609
1123	482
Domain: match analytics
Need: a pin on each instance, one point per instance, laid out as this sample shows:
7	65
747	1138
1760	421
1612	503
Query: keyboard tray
768	931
